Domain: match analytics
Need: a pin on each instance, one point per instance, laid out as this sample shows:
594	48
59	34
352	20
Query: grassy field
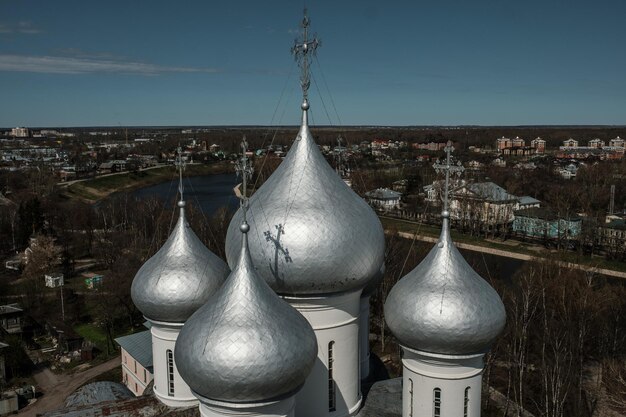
98	188
94	334
97	336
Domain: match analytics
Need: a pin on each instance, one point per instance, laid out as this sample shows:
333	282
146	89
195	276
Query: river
208	192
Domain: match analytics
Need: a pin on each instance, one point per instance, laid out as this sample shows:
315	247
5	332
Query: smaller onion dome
245	345
179	278
443	306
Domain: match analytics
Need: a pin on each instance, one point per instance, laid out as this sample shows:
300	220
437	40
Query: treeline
565	331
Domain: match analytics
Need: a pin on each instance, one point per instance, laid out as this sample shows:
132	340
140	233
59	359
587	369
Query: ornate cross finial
448	167
338	156
244	169
301	50
180	164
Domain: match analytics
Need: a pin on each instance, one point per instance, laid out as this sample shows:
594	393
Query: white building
617	142
570	143
384	198
596	143
20	132
54	280
539	145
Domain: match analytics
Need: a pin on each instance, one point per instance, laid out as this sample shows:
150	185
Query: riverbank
509	249
93	190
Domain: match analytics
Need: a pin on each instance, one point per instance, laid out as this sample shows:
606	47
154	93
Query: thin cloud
25	27
84	54
69	65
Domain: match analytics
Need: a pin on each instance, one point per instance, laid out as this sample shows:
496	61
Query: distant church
282	329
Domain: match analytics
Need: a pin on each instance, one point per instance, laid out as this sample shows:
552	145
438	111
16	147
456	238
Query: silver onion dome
374	282
443	306
179	278
245	345
311	234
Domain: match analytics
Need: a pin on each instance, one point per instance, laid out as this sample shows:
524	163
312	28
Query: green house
545	224
93	280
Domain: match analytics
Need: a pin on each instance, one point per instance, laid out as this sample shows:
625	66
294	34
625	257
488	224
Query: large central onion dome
443	306
179	278
311	233
245	345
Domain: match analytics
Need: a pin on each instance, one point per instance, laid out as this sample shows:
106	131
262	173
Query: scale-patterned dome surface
179	278
311	234
245	344
443	306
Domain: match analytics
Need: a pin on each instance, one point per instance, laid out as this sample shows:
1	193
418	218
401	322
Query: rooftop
383	194
10	308
144	406
525	200
139	346
544	214
489	191
98	392
615	224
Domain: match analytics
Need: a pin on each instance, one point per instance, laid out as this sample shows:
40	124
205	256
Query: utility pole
612	201
62	304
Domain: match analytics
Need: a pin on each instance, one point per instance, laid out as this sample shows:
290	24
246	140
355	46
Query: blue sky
489	62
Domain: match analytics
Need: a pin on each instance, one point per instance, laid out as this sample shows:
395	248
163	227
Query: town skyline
487	64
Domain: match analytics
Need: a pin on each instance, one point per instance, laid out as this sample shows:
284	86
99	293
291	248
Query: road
68	183
515	255
56	388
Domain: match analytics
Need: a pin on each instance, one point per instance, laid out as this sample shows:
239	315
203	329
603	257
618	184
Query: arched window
437	402
332	404
170	373
410	397
466	402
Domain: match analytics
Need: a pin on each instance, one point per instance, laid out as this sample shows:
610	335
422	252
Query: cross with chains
301	51
448	167
180	164
244	168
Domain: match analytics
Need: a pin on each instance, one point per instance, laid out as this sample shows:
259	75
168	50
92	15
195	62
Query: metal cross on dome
244	168
180	164
301	51
448	167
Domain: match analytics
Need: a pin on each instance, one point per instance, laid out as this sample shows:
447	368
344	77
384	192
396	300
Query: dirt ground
56	388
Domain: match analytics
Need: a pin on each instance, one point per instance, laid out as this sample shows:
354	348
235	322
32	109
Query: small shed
93	280
54	279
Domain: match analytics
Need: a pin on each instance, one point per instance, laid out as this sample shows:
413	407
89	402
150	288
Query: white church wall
164	337
334	319
364	337
454	376
283	408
